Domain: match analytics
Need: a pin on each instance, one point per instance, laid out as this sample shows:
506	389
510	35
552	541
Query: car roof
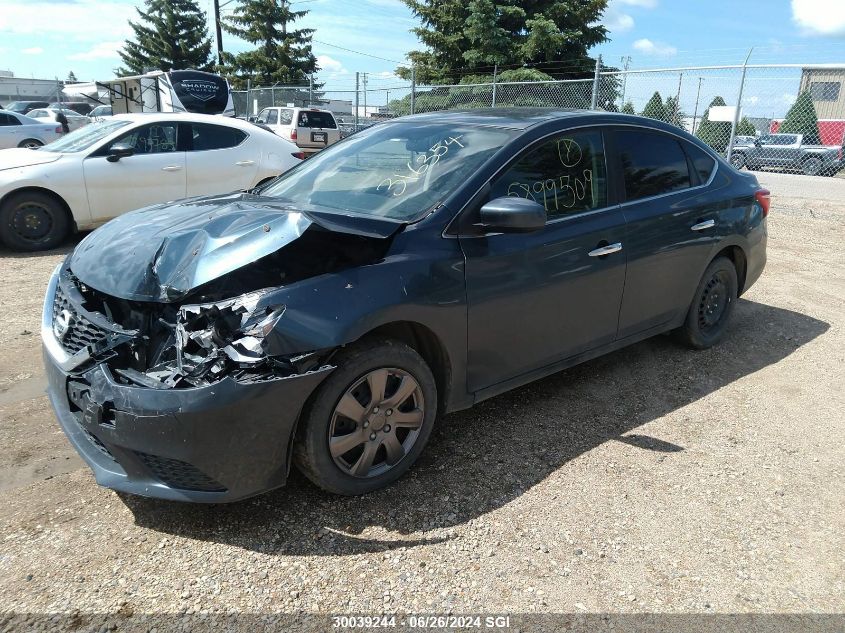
189	117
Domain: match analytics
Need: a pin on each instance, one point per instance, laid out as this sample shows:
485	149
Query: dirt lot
653	480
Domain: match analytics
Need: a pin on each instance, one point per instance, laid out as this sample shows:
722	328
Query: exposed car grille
81	331
178	474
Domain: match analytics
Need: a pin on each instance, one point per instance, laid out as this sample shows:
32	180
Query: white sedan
19	130
126	162
48	115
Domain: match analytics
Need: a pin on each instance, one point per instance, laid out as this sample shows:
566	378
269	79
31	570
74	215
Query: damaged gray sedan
195	350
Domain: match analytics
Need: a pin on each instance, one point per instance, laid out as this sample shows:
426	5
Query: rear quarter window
703	163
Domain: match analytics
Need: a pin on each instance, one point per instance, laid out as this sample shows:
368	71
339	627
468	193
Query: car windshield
84	137
17	106
396	170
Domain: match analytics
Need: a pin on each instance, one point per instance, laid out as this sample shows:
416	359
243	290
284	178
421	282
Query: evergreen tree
673	112
71	78
715	133
802	119
470	37
628	108
281	55
745	128
655	109
171	35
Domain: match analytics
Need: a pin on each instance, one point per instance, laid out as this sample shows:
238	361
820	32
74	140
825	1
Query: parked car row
19	130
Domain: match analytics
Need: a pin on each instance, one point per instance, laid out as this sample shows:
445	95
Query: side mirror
118	151
513	215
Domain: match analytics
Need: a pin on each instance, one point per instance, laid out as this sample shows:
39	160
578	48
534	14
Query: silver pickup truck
788	152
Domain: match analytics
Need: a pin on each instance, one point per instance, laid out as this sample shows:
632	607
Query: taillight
299	155
764	198
59	129
293	135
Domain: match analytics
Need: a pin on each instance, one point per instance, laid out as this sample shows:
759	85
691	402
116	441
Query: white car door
10	131
154	173
220	159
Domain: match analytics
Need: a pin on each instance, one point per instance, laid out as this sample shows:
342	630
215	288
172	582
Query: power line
349	50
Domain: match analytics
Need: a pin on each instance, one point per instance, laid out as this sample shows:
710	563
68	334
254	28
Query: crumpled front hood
17	157
161	253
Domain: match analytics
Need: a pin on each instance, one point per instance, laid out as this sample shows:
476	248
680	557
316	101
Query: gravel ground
653	480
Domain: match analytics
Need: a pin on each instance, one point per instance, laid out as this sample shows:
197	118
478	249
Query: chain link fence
789	117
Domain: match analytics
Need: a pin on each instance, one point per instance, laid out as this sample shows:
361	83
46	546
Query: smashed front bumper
216	443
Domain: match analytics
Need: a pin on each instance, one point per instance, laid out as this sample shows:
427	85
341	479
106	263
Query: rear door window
317	119
653	163
285	116
207	136
8	119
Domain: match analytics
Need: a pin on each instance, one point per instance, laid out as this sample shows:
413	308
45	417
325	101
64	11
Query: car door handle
702	226
601	251
172	168
245	163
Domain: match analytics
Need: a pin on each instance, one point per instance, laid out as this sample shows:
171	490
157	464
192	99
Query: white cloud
103	50
645	4
752	100
617	22
788	98
35	50
84	20
820	17
329	64
659	49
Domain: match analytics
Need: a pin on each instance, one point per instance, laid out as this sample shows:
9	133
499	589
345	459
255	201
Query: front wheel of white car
33	221
31	143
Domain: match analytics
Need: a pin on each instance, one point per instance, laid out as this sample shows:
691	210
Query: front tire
31	143
712	305
369	421
737	160
812	166
33	221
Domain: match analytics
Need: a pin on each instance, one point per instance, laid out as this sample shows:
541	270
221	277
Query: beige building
827	90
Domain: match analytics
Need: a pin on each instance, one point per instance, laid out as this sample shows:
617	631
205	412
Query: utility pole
311	89
697	95
365	95
735	121
356	101
626	61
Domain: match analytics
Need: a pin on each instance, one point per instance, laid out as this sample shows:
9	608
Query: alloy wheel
376	422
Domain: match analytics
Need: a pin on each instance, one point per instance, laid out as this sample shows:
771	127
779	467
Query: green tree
71	78
282	55
674	115
802	119
628	108
470	37
655	109
170	35
745	128
715	133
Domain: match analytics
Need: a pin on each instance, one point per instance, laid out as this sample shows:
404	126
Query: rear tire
712	305
737	160
30	143
352	441
33	221
812	166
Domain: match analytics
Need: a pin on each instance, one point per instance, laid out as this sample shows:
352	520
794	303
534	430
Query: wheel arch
737	256
48	192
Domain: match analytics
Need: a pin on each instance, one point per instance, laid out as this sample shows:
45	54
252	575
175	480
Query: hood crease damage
185	295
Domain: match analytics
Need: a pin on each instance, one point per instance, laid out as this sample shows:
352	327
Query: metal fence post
495	72
356	102
413	89
595	101
735	122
